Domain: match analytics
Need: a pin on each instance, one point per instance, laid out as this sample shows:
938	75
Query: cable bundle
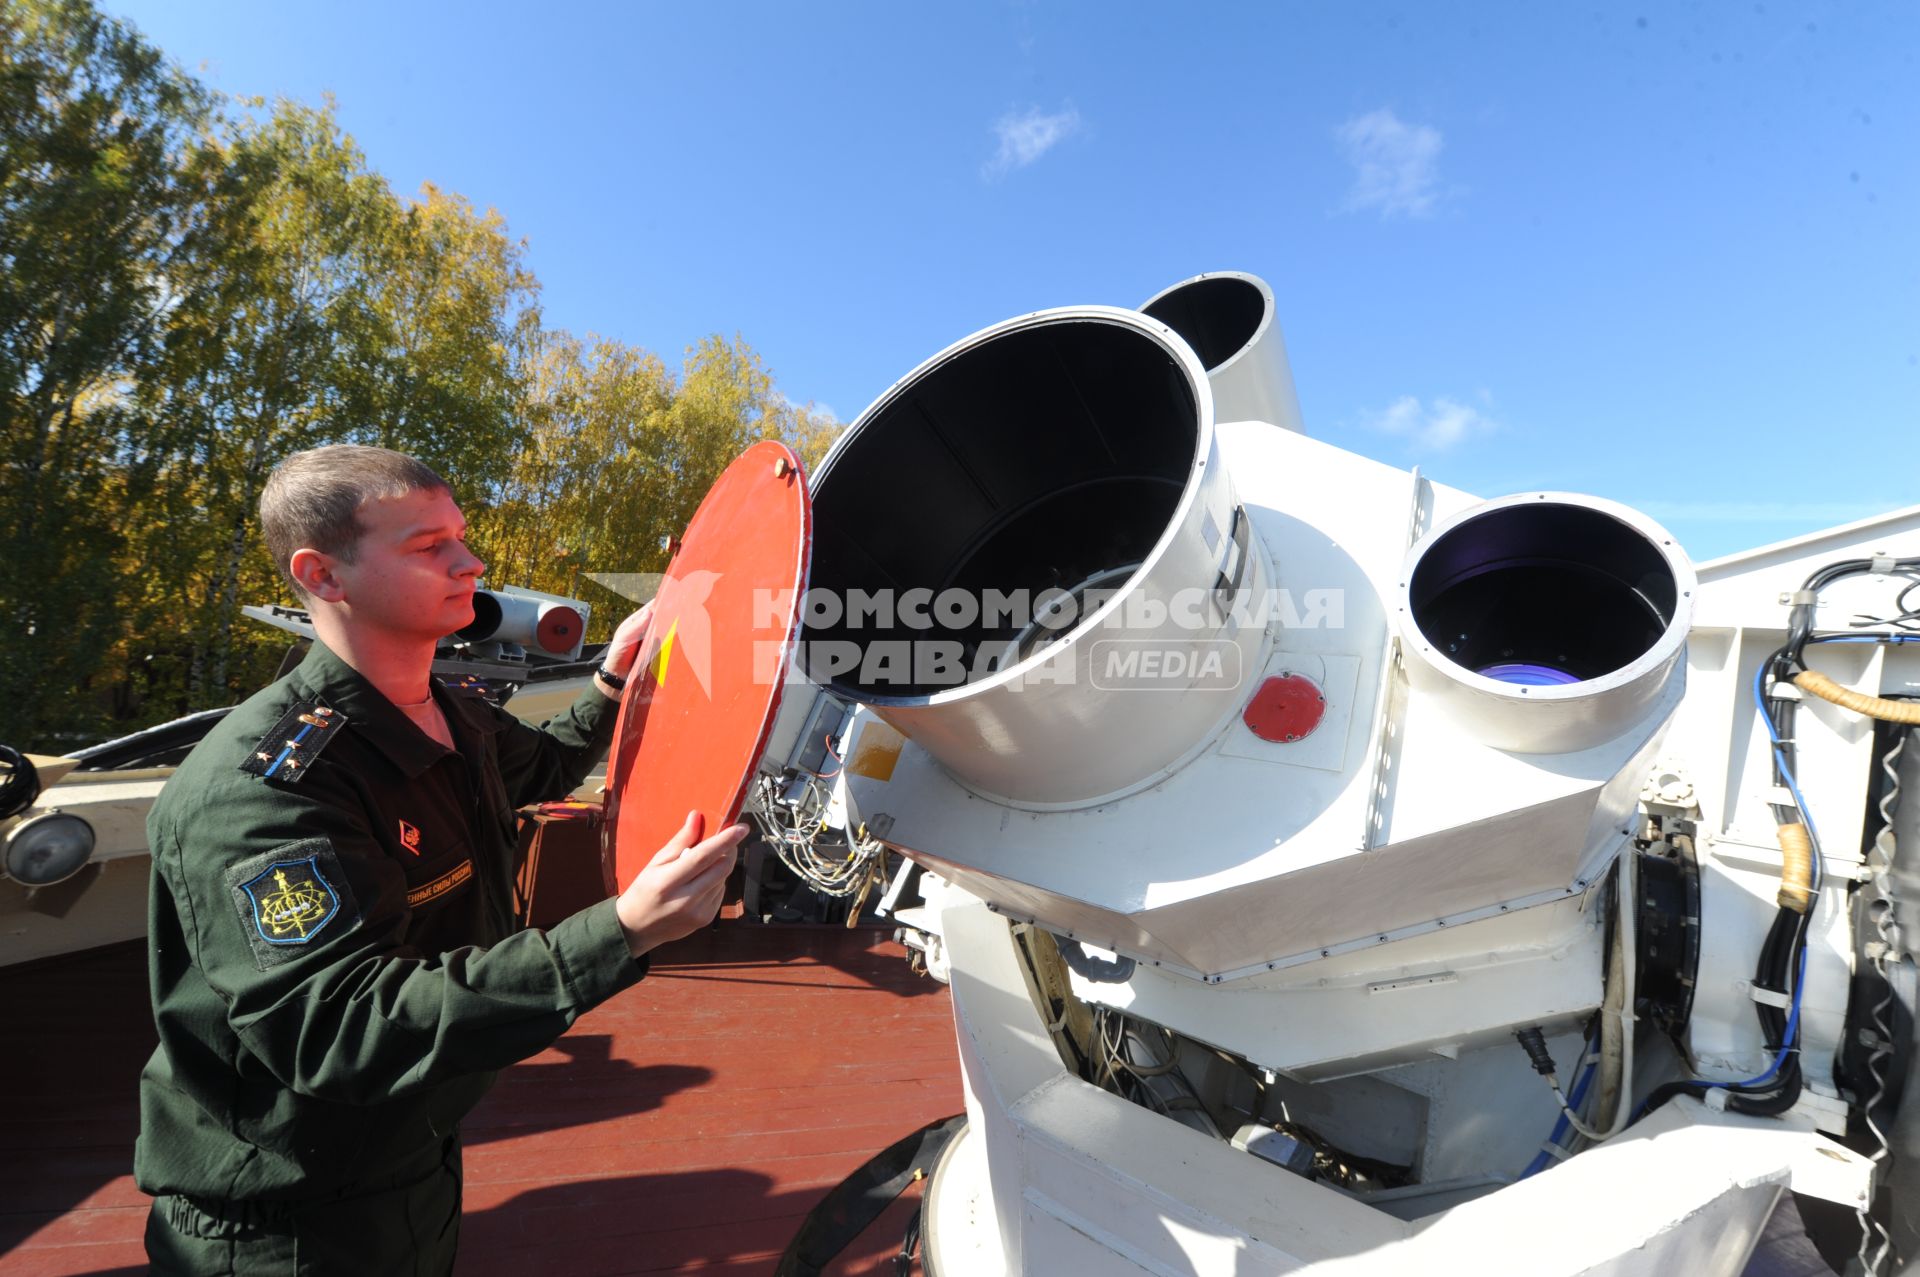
19	782
833	868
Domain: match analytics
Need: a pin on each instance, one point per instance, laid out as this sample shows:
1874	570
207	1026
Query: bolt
781	468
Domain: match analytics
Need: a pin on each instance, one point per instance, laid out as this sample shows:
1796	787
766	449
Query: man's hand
626	642
623	649
679	892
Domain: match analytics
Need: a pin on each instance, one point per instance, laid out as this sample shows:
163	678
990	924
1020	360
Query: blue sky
1666	254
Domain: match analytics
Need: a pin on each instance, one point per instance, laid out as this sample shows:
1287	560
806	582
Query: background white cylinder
1228	319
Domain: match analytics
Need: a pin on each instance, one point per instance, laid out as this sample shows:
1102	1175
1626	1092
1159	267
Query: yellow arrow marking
666	650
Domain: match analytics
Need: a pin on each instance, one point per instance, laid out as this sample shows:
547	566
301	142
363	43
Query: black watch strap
607	676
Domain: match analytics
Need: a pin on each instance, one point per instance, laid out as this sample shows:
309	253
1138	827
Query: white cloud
1433	427
1396	166
813	406
1025	136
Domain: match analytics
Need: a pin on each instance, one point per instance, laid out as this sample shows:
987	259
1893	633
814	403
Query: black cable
1800	615
1905	616
19	783
1779	956
1779	665
1775	972
1779	961
1900	603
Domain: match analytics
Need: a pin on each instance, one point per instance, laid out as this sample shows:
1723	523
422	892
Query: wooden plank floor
688	1125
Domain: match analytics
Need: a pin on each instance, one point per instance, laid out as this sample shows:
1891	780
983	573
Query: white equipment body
1323	921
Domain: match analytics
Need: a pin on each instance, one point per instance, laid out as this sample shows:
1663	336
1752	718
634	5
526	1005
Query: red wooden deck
686	1126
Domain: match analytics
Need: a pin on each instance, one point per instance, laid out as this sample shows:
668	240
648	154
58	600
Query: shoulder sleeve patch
291	896
286	752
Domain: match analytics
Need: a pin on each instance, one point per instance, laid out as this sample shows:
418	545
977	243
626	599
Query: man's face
412	573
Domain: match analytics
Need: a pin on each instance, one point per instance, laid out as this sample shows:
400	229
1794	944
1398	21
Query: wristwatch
617	682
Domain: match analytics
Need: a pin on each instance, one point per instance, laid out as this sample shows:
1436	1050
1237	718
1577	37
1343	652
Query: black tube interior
1035	461
1544	586
486	617
1217	317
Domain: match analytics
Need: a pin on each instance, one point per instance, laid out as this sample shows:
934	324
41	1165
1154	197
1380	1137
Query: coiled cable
19	782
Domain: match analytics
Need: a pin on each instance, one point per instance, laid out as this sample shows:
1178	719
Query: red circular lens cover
702	696
558	628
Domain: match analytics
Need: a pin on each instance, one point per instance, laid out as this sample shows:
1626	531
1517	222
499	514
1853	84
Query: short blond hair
313	498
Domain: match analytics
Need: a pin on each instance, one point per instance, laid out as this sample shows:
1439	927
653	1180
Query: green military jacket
335	968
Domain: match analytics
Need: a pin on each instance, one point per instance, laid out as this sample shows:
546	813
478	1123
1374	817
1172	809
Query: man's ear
315	572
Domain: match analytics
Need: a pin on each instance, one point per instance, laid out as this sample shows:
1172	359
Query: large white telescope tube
1065	458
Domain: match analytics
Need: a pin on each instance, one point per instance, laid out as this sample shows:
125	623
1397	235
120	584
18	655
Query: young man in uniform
336	973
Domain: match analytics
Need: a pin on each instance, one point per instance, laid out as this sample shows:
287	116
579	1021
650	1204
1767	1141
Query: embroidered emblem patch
446	882
410	837
291	910
290	897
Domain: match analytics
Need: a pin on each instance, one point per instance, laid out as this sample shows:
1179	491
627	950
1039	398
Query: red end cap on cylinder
558	629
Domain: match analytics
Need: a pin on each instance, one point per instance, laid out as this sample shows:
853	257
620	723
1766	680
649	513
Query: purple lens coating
1521	674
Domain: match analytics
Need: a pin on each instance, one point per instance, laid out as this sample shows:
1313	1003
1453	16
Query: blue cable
1786	773
1788	1038
1544	1159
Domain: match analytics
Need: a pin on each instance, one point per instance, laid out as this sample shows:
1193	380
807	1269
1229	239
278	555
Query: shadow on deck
688	1124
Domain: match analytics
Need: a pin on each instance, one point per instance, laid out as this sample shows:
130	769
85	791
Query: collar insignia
286	752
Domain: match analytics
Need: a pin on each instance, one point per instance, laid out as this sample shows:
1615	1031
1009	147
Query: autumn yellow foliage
190	289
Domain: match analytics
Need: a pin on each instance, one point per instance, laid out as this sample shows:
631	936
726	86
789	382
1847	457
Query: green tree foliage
189	292
620	452
95	213
329	311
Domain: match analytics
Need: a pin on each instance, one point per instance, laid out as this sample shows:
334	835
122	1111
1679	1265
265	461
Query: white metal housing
1342	928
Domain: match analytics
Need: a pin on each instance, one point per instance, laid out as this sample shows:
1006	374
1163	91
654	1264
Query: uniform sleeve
299	922
549	761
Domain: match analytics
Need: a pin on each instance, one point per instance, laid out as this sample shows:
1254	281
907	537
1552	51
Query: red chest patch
410	837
